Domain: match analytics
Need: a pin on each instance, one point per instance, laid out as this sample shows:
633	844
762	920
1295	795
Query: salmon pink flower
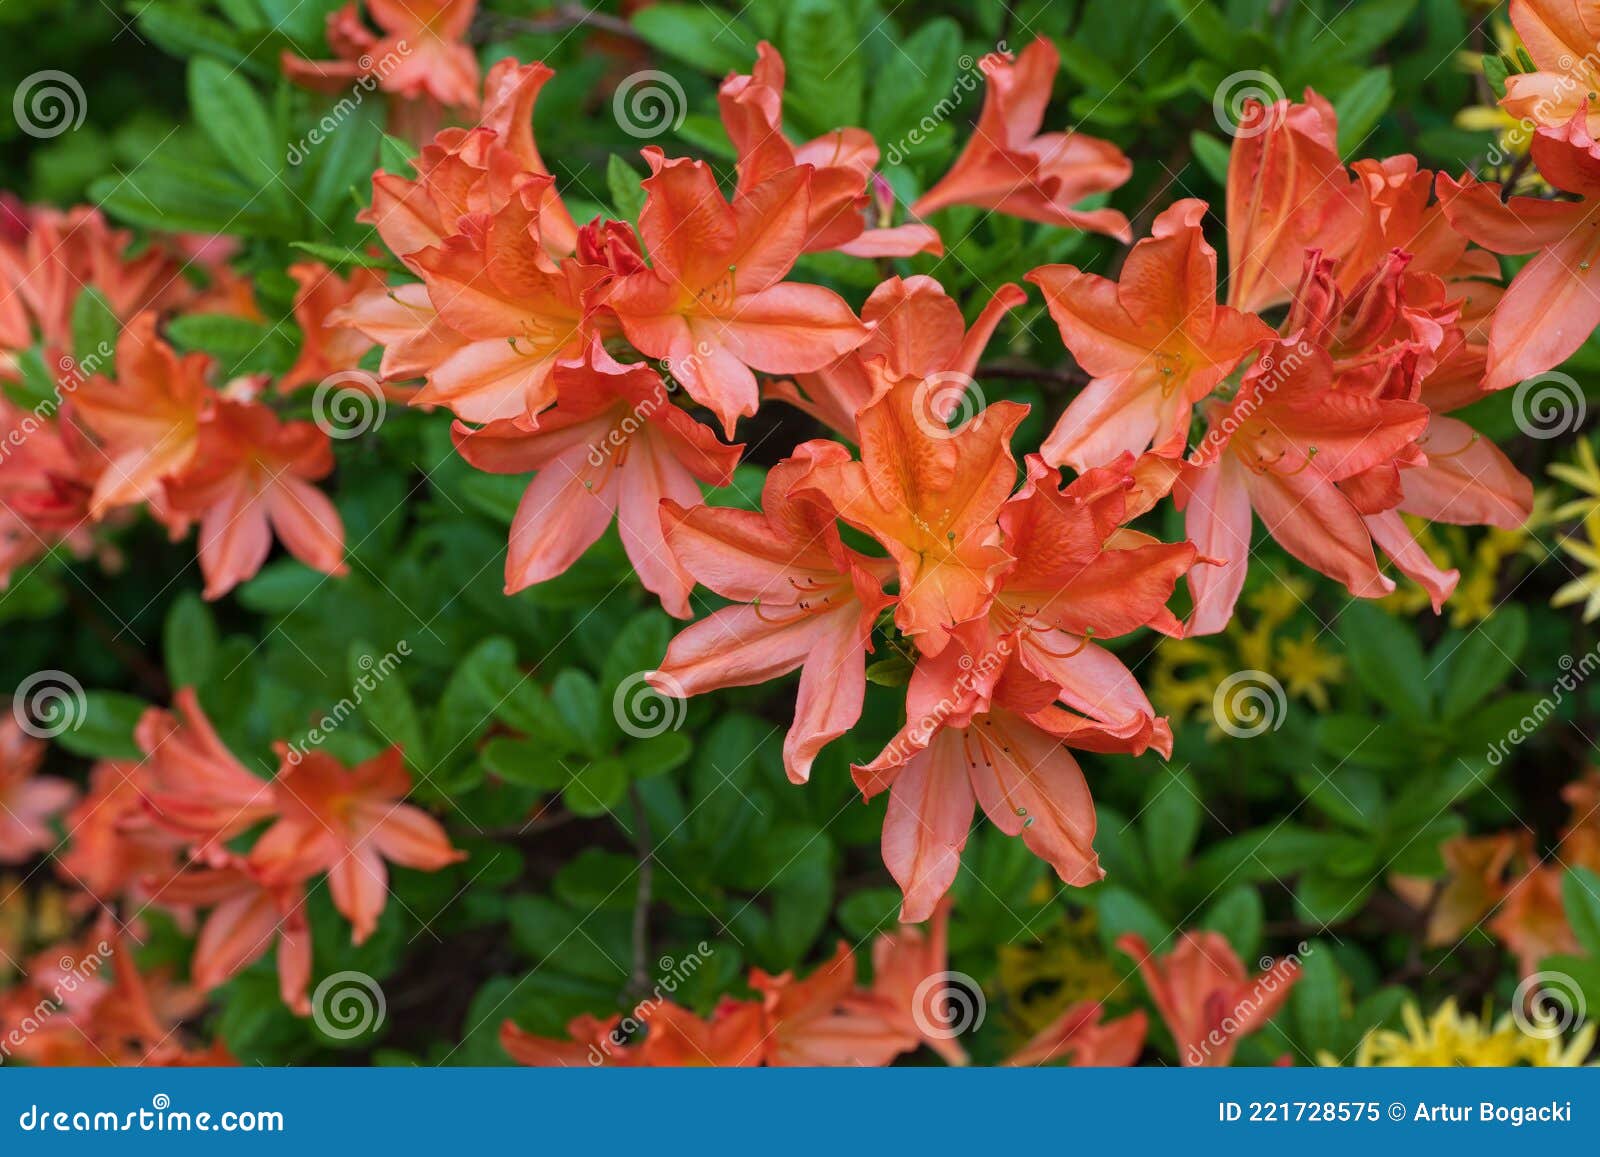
803	600
713	304
1531	920
148	420
420	55
1280	449
1009	166
931	497
613	446
1155	343
253	478
734	1036
348	822
910	990
842	165
1560	37
591	1042
1204	995
193	785
113	845
1287	192
247	916
1081	1039
28	800
821	1020
1553	303
919	334
326	348
509	95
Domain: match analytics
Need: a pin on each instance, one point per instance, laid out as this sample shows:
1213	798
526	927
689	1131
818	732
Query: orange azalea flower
325	347
113	845
1204	995
1156	342
804	600
509	96
1560	37
1009	166
253	477
931	497
1475	882
419	57
822	1021
1287	192
613	446
1281	448
1552	304
592	1042
909	993
193	786
842	165
918	334
1081	1039
348	822
734	1036
509	311
28	800
713	303
1531	920
148	420
247	915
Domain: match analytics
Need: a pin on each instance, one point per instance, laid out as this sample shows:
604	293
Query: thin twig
639	982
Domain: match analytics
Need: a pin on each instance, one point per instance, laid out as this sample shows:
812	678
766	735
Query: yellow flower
1586	587
1452	1038
1307	669
1581	474
1041	980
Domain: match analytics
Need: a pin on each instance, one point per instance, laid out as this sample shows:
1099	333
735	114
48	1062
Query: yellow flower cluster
1451	1038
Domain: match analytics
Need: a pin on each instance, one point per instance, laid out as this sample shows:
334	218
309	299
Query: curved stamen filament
1470	443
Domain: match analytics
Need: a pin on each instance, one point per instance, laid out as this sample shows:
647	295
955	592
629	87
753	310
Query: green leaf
1387	661
1238	915
1359	107
657	755
102	724
1327	899
1485	659
1211	155
1206	27
227	108
698	36
1314	1000
596	788
578	709
623	183
526	763
1121	911
1580	897
825	62
189	641
385	703
1171	822
94	333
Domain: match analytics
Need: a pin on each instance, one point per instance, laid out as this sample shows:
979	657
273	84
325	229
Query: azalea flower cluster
827	1019
159	431
1329	424
172	832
